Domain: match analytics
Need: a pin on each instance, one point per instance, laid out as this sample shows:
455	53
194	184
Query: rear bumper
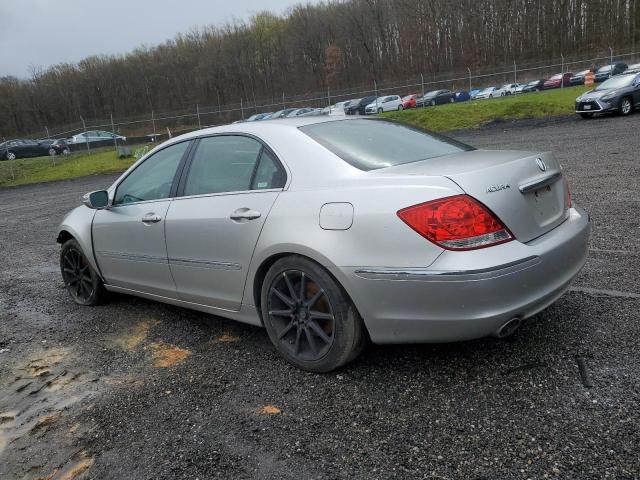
444	303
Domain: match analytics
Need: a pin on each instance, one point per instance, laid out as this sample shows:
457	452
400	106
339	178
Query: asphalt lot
135	389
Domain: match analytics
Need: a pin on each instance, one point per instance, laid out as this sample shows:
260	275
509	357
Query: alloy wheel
76	274
11	156
625	106
301	315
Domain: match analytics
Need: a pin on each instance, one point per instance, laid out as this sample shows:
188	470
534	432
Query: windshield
373	144
616	82
604	69
490	89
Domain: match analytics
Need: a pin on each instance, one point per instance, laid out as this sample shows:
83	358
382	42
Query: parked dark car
609	71
23	148
635	68
461	96
558	80
357	107
437	97
619	94
578	78
533	86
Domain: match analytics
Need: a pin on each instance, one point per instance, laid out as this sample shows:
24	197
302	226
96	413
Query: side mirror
97	200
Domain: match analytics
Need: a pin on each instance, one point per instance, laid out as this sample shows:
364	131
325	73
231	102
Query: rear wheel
82	282
11	156
52	152
380	110
400	108
625	107
433	103
66	151
309	317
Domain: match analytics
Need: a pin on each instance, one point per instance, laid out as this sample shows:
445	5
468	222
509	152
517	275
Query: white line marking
605	293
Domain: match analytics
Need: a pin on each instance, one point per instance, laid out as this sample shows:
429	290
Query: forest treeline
333	44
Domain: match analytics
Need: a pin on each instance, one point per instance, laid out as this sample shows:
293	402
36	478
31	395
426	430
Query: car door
129	237
230	186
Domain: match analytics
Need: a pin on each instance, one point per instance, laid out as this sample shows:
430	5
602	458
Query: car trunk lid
524	189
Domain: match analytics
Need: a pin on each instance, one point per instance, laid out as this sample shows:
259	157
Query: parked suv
388	103
609	71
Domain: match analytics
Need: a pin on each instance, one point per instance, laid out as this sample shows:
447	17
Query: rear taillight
567	194
456	223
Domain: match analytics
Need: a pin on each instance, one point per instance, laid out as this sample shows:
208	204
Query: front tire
626	106
380	110
11	156
81	280
52	152
309	317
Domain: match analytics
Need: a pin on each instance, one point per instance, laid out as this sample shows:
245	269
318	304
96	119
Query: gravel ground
135	389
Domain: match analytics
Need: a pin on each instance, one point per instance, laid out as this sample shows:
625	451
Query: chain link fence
156	126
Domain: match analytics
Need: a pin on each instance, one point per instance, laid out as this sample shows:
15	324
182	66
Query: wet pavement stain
165	356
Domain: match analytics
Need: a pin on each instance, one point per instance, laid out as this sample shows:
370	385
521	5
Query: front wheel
81	280
52	152
380	110
11	156
400	108
626	107
309	317
66	152
433	103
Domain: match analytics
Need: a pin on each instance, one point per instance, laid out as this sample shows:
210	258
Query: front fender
78	223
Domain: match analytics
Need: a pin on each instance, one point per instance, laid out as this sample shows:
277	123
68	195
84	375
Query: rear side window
373	144
222	163
269	173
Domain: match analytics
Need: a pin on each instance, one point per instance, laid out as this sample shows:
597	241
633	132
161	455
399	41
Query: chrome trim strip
187	262
426	275
538	184
132	257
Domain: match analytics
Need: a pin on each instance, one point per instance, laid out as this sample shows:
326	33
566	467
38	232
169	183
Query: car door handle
245	214
151	218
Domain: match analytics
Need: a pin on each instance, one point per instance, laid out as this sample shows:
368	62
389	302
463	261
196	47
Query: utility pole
375	89
198	114
469	70
86	138
562	72
113	130
515	72
422	84
241	108
47	131
153	122
283	104
610	61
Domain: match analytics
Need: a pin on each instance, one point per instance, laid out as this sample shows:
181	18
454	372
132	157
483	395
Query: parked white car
95	136
506	89
388	103
488	92
338	108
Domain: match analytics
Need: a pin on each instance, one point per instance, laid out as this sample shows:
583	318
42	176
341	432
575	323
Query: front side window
373	144
222	163
153	178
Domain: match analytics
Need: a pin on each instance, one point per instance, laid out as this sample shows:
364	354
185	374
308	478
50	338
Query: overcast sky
46	32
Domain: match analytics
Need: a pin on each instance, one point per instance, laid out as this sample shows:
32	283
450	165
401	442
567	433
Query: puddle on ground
34	403
165	355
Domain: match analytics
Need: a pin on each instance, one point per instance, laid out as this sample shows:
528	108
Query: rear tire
309	317
380	110
11	156
626	106
400	108
81	280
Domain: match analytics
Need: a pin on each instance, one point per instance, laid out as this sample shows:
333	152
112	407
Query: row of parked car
26	147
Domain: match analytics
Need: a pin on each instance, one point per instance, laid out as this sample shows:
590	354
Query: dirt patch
269	410
136	335
165	356
226	338
43	423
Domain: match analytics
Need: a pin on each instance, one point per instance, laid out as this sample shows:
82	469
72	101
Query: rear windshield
373	144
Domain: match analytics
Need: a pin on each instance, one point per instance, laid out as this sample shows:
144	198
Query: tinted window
269	173
152	179
222	164
616	82
373	144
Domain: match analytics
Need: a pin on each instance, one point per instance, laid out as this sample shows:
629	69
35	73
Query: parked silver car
330	232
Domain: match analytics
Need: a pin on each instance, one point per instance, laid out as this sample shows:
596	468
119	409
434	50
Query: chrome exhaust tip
508	328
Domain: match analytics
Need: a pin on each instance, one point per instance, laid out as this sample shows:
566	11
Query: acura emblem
541	164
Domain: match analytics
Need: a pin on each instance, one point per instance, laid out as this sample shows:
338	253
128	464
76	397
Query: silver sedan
331	233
